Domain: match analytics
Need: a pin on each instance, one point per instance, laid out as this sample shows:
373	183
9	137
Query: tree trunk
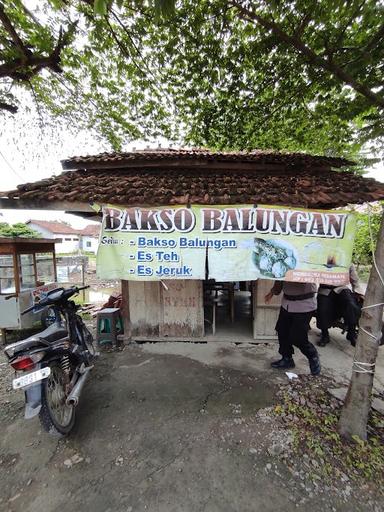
357	405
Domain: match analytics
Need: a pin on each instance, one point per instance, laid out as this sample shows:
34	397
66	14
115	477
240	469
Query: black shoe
284	363
324	340
314	365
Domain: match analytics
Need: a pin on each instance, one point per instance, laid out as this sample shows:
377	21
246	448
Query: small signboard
62	274
41	291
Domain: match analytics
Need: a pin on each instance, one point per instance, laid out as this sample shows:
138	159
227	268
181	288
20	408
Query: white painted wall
44	232
69	244
89	243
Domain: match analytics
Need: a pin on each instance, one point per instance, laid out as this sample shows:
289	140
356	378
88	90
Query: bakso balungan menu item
273	258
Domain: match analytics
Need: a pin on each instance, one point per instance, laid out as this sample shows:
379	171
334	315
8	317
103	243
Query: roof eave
199	164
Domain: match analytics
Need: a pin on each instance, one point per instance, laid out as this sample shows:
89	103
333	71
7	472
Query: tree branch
351	18
303	24
7	24
31	15
23	68
375	39
9	108
296	43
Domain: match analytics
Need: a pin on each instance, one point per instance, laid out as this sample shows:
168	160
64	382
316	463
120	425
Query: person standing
297	308
334	302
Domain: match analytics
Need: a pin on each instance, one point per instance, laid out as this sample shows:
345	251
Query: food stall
197	236
27	272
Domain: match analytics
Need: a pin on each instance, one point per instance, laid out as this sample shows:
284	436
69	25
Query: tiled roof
55	227
198	156
91	230
155	187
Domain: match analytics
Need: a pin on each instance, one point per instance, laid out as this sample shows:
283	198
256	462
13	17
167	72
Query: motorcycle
53	365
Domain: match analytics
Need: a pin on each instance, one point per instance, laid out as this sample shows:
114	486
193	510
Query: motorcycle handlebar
28	309
74	289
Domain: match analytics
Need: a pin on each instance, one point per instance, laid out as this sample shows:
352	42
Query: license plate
31	378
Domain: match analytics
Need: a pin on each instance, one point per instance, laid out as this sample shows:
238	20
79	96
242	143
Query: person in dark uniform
334	302
297	308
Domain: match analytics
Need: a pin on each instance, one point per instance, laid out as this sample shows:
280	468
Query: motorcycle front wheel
56	417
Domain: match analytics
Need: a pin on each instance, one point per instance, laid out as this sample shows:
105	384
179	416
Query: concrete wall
70	244
44	232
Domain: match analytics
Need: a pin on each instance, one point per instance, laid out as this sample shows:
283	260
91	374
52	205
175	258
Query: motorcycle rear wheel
56	417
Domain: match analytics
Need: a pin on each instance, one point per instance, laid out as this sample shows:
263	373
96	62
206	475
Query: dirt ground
171	427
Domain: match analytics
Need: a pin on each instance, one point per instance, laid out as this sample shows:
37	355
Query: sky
29	153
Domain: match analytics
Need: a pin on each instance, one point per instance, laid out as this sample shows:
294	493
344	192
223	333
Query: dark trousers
292	329
349	308
335	305
327	310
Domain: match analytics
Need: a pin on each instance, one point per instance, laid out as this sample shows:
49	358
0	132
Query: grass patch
312	415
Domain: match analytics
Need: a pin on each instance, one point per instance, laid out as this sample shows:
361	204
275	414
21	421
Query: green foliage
101	6
19	229
362	249
284	75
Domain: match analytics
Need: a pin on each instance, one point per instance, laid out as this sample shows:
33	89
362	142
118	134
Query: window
7	275
67	239
26	271
45	267
76	239
88	244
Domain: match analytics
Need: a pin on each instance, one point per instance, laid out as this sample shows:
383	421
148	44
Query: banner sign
226	243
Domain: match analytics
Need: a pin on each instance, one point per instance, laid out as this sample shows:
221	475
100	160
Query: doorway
228	310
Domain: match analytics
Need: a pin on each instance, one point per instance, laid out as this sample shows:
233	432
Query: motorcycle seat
52	333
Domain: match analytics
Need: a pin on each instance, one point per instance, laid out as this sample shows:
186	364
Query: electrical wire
10	166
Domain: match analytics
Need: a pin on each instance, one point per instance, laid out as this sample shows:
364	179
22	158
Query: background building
73	240
89	238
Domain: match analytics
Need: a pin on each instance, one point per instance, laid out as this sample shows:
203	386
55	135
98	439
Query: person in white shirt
297	308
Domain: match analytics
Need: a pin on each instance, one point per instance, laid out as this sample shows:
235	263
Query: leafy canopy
284	74
19	229
367	231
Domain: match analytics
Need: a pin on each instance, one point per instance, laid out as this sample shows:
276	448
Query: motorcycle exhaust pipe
74	395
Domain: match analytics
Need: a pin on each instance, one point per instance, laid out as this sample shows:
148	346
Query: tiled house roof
91	230
55	227
171	177
150	157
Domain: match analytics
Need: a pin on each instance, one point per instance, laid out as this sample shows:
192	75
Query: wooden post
125	309
54	264
16	269
83	276
35	267
354	415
